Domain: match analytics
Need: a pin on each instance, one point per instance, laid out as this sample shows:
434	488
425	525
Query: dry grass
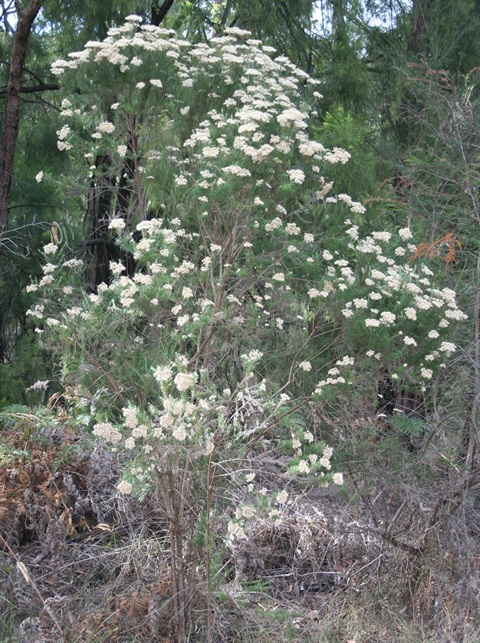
394	562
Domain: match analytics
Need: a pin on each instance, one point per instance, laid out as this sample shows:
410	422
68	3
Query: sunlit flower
292	228
457	315
381	236
106	127
387	318
184	381
360	303
337	155
325	462
447	347
116	224
108	432
372	323
405	234
236	170
162	373
211	152
345	361
337	478
50	249
296	176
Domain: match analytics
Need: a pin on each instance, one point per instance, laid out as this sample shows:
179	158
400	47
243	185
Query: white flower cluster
108	432
50	249
40	385
314	464
244	122
334	375
185	381
394	295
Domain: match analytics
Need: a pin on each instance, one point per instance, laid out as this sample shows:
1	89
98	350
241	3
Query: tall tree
25	20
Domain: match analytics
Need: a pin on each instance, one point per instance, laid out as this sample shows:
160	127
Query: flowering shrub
241	311
388	305
228	263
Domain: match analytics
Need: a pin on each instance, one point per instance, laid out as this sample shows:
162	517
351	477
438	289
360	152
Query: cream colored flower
124	487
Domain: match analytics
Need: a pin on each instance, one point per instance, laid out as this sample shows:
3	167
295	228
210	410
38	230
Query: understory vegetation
240	364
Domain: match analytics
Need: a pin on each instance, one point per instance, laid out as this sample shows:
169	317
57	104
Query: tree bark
12	103
100	201
159	13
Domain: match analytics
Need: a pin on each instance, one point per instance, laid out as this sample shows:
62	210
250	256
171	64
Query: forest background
399	86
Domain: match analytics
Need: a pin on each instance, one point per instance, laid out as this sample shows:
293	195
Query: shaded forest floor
393	561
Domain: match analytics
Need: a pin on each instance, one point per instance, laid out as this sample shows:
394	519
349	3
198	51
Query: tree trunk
12	103
159	13
100	201
112	195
